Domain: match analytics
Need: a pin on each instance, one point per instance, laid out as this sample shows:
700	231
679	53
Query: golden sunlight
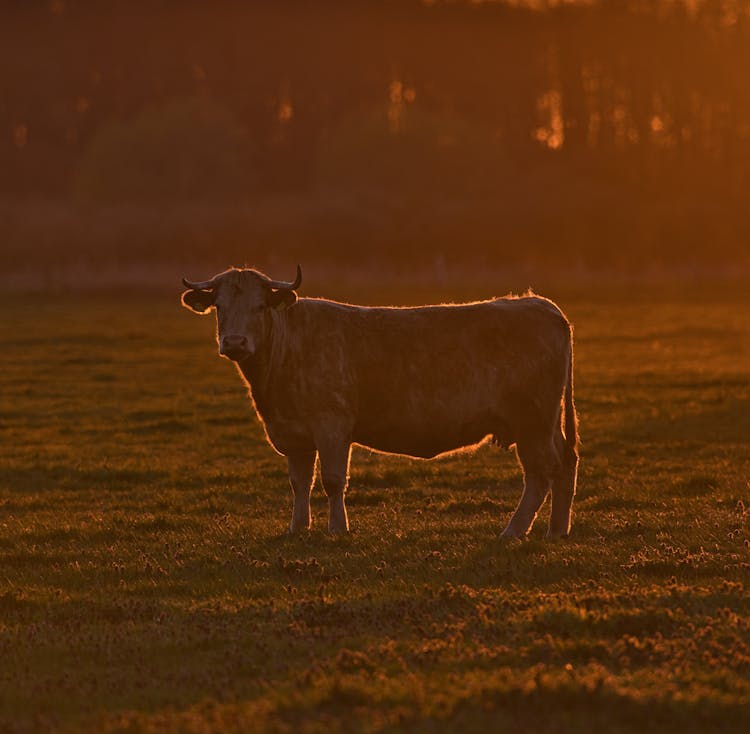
552	132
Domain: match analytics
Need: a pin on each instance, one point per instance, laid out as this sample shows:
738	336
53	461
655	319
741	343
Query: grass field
147	585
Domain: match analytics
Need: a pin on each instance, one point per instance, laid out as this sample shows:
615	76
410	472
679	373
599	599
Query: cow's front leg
301	473
334	472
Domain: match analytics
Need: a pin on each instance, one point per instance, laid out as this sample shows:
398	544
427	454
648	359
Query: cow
420	381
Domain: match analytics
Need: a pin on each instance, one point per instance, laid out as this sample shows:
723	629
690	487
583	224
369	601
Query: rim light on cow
419	381
279	285
243	300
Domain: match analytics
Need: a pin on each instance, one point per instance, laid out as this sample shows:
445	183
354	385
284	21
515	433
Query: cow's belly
430	419
424	441
427	448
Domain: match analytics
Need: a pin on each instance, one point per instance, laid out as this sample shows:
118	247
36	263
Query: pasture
147	584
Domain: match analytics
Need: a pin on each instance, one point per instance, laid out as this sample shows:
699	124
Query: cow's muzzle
235	347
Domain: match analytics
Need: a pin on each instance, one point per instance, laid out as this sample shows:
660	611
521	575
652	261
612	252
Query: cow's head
243	300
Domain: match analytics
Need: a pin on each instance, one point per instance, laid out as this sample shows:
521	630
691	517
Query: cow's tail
571	417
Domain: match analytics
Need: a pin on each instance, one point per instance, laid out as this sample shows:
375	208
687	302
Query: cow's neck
258	370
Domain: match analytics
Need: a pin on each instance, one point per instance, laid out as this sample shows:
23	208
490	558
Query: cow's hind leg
535	489
334	472
563	490
301	473
537	480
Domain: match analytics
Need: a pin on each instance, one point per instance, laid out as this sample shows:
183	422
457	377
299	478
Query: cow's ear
198	301
281	299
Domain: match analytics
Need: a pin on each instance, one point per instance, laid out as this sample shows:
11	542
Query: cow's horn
203	285
282	286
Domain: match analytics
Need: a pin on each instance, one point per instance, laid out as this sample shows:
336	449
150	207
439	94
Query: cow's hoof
299	527
553	536
510	534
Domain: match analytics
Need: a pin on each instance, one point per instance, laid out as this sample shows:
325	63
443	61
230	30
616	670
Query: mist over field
404	153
